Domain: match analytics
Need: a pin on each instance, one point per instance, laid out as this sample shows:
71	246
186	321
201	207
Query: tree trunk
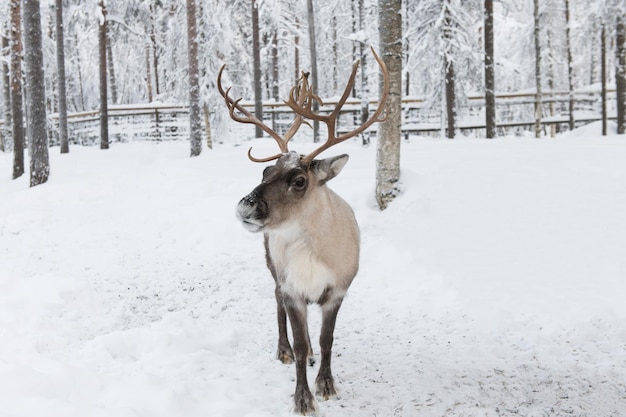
148	74
605	117
364	83
6	91
333	22
296	52
490	96
389	131
37	120
538	97
312	48
620	72
275	90
17	109
63	135
570	67
155	51
195	120
450	99
102	48
450	90
111	68
256	53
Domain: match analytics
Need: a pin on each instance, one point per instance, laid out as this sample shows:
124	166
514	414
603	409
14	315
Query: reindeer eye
299	183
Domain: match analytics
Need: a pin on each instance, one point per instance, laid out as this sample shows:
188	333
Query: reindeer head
295	180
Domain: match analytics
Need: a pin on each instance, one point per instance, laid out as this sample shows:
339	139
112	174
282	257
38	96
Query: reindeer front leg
324	383
285	353
304	402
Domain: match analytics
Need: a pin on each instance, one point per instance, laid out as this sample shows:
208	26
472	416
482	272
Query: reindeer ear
327	169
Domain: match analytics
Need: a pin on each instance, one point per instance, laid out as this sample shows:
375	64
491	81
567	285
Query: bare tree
256	54
490	95
63	135
538	96
620	72
389	131
16	89
605	117
448	64
6	92
194	85
102	48
312	49
38	134
570	66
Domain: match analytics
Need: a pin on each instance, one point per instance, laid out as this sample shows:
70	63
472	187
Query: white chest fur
300	272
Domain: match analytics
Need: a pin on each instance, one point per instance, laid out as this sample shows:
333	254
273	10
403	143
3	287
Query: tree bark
37	120
389	131
63	135
6	92
111	68
195	120
570	67
450	89
102	48
365	139
312	49
256	54
275	67
17	109
620	72
538	96
605	116
490	96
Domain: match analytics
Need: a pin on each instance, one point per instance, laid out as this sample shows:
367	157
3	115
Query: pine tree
195	120
38	135
60	49
17	111
389	131
620	71
490	95
104	109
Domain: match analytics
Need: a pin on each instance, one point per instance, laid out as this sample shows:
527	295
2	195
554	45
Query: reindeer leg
310	356
296	307
324	383
285	353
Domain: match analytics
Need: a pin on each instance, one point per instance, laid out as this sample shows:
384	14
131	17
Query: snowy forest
491	272
465	65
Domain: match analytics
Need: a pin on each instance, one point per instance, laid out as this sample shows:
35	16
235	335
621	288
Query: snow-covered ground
495	285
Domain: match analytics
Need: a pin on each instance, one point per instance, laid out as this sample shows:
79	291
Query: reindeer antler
331	119
301	98
301	93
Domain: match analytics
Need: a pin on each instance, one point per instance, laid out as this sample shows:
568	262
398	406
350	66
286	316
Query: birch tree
38	135
256	53
389	131
6	91
102	49
17	111
195	120
490	95
538	94
620	71
60	49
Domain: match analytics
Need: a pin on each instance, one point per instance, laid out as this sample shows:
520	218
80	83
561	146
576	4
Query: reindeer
310	233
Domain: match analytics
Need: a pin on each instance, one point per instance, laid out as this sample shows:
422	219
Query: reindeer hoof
325	388
311	360
304	403
285	356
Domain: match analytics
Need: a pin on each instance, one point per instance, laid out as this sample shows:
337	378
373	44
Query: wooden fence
514	114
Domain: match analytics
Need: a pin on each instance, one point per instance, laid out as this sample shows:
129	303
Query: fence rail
514	114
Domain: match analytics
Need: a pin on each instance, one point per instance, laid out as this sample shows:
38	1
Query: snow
493	285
